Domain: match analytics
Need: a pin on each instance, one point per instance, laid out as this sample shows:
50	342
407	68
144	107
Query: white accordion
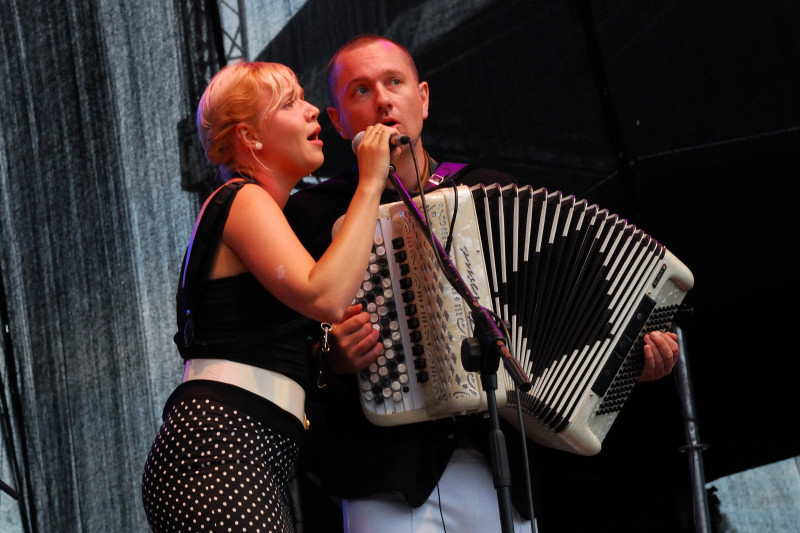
576	286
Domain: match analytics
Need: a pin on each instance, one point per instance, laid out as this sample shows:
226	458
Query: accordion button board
577	287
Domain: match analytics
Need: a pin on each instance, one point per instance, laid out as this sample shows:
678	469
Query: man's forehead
375	59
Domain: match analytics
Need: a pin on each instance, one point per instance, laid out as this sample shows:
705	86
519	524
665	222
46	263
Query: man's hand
660	355
354	343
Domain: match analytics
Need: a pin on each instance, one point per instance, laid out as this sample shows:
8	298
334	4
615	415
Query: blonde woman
226	450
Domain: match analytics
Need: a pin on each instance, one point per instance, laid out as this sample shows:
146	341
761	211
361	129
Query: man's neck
407	172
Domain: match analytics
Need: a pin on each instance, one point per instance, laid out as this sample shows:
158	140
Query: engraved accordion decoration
577	287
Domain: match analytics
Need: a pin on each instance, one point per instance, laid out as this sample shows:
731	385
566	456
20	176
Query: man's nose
382	98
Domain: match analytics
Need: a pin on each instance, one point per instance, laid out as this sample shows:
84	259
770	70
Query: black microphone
394	140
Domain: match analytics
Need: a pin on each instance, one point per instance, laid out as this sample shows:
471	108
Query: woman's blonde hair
237	94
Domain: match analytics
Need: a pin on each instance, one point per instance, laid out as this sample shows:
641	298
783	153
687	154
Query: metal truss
213	34
234	31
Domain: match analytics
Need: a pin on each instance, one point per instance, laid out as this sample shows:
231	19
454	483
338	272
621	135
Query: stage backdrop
94	224
683	117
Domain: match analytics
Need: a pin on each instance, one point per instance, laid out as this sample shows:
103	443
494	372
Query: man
430	476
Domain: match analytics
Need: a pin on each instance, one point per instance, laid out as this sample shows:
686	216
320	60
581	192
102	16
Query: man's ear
333	114
424	94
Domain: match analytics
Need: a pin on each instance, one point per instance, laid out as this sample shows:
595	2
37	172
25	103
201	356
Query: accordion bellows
576	286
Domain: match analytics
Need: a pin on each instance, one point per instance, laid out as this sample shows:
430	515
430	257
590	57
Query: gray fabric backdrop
94	224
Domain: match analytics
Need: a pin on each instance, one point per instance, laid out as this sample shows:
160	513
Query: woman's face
290	137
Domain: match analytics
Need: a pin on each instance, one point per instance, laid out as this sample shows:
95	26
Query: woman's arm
260	237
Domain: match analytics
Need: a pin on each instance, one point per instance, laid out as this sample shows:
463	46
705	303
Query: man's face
376	83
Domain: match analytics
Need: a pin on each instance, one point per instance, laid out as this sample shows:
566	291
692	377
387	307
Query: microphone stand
482	353
693	447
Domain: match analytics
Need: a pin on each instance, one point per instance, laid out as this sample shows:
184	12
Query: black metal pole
693	448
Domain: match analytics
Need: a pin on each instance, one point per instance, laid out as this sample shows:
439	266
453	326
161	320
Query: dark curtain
94	224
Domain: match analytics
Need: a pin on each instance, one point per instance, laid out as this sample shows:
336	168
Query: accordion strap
443	172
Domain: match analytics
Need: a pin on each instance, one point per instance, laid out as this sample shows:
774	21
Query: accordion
576	287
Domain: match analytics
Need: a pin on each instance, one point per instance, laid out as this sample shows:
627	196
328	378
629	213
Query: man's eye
394	81
361	90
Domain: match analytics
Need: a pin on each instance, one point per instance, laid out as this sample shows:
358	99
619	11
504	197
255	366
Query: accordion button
380	251
413	323
397	396
405	283
419	363
417	349
402	368
411	310
398	243
403	379
400	257
422	377
408	296
368	396
404	269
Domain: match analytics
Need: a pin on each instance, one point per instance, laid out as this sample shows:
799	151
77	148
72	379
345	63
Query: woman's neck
276	187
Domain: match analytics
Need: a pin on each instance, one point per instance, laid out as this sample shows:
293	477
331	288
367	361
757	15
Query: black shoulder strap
445	171
199	254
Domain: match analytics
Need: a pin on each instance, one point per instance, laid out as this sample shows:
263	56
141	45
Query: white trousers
468	504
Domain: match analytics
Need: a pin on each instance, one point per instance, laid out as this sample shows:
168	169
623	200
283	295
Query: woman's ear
245	135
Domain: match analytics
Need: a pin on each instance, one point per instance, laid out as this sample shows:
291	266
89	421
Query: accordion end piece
574	439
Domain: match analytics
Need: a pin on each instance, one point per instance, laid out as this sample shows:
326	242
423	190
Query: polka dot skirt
214	469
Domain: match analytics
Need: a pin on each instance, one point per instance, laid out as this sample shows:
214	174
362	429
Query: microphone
394	140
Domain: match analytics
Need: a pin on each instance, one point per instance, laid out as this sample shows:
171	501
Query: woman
227	447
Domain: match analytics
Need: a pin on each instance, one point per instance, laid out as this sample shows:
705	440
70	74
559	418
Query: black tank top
235	318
